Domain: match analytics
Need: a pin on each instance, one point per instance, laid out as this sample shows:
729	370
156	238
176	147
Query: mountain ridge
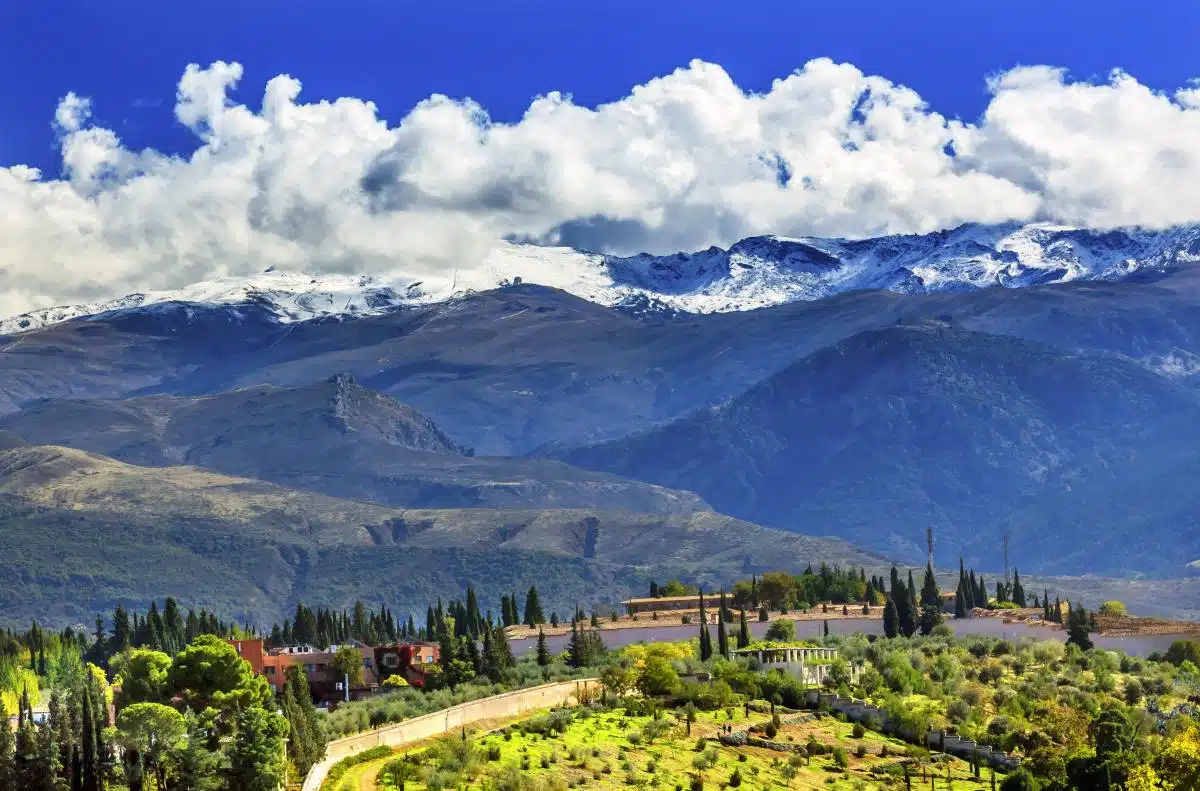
895	429
334	437
252	550
752	273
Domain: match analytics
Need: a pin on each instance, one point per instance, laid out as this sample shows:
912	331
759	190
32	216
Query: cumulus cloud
683	162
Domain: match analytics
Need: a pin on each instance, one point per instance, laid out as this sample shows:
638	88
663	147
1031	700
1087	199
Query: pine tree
743	638
543	652
891	618
931	603
199	768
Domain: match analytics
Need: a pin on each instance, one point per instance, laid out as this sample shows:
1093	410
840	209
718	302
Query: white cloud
683	162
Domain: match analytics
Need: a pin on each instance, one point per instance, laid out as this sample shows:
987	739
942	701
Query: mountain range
1035	381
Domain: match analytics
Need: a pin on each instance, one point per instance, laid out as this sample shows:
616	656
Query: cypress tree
543	652
49	762
743	638
533	608
913	610
825	628
960	600
1018	592
891	618
575	647
931	603
722	637
753	590
763	616
981	599
974	585
705	637
25	760
7	767
1078	628
1001	593
899	597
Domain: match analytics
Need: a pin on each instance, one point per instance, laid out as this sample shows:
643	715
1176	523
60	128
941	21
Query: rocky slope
334	437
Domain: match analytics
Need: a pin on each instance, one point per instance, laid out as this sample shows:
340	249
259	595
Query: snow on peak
753	273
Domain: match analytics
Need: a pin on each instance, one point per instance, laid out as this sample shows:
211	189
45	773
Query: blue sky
684	125
128	54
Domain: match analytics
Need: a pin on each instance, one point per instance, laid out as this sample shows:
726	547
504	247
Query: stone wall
861	711
508	704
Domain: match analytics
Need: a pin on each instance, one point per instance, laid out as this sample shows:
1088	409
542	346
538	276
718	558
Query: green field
616	748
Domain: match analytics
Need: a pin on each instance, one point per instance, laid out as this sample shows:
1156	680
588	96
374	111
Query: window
270	671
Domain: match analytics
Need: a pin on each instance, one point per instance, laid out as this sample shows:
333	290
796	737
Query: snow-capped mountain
753	273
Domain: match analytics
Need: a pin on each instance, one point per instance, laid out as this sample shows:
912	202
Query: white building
810	664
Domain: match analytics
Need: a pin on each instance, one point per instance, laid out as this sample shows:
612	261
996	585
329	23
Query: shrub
840	759
493	752
861	750
1114	609
858	731
770	730
735	779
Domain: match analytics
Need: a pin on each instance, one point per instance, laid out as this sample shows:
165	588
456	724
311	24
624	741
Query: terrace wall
503	706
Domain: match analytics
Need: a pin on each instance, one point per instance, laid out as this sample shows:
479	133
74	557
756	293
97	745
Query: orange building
323	681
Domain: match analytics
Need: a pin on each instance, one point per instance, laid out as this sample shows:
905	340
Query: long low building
670	603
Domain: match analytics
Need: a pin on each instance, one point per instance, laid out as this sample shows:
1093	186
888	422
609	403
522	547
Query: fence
507	704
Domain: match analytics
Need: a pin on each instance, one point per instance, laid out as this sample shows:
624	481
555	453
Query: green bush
840	759
858	731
